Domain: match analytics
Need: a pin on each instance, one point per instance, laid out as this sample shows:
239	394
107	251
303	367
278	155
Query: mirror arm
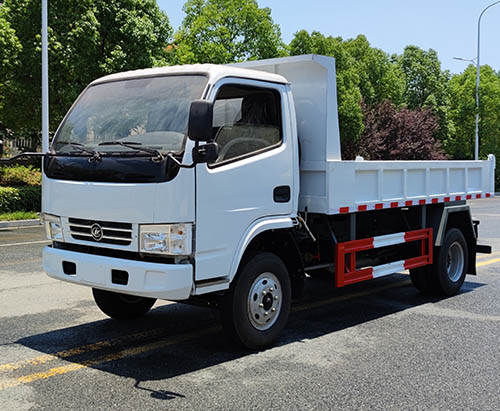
21	155
178	163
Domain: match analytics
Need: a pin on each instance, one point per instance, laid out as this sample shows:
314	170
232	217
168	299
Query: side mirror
206	153
200	120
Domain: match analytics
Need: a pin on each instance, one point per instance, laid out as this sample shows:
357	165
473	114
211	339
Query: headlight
172	239
53	227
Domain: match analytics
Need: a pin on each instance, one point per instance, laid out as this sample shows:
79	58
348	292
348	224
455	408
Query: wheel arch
458	217
274	236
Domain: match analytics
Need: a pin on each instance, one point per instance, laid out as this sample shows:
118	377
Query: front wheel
122	306
256	308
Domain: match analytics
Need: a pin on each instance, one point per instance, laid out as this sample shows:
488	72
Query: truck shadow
176	339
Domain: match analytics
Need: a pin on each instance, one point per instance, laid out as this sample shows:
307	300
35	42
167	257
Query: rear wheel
451	263
122	306
256	308
447	275
420	278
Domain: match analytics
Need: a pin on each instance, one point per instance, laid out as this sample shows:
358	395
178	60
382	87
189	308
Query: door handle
281	194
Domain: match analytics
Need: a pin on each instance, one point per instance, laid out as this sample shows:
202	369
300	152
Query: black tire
420	278
122	306
262	279
447	274
450	264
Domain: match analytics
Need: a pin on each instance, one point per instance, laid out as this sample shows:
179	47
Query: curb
20	223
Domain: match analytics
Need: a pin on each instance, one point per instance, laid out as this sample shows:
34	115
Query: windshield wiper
94	155
157	157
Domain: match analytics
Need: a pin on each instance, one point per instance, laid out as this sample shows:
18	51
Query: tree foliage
423	75
87	39
10	47
226	31
379	78
389	107
427	86
462	90
392	134
348	91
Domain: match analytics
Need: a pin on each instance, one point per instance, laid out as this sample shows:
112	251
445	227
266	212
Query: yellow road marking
488	262
484	256
43	359
128	352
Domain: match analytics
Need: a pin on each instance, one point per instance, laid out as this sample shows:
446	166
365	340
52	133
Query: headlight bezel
53	227
172	239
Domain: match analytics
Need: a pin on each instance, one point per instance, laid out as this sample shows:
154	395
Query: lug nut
275	297
271	289
264	292
261	305
266	313
273	309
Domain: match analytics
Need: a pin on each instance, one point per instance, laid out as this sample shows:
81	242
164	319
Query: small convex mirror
200	120
206	153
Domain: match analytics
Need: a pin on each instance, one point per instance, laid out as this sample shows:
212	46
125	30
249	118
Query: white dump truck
225	185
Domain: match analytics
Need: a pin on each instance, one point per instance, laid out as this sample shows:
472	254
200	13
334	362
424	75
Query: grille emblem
96	231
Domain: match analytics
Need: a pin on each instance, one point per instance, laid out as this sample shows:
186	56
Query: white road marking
26	243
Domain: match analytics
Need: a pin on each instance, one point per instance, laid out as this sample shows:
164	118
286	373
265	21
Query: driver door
251	179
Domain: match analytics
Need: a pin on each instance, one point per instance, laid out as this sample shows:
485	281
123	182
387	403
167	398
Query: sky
447	26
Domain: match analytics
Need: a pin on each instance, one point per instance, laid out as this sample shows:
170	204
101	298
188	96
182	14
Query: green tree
379	78
463	110
10	47
348	83
427	86
226	31
87	39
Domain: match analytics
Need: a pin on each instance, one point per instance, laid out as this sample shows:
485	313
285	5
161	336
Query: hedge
18	175
26	198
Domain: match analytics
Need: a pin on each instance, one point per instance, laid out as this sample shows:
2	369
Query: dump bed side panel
352	186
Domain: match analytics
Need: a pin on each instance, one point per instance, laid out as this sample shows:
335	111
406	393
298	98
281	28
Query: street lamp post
476	60
476	149
45	80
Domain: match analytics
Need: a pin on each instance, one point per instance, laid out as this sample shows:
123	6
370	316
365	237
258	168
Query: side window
246	120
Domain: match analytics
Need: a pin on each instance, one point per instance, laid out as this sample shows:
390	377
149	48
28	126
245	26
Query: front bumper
163	281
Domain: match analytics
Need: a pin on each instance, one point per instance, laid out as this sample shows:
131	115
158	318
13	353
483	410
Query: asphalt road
374	345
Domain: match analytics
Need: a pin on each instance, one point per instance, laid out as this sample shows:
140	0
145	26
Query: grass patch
19	215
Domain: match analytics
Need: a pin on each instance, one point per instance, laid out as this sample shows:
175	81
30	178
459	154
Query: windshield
152	112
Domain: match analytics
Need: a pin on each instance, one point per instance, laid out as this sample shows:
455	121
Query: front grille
111	233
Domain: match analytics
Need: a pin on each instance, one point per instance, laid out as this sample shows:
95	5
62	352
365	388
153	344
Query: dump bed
349	186
329	185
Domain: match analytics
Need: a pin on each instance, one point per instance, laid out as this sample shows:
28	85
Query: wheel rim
264	301
455	261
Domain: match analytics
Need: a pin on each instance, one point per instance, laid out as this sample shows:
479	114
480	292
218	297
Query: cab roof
214	72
